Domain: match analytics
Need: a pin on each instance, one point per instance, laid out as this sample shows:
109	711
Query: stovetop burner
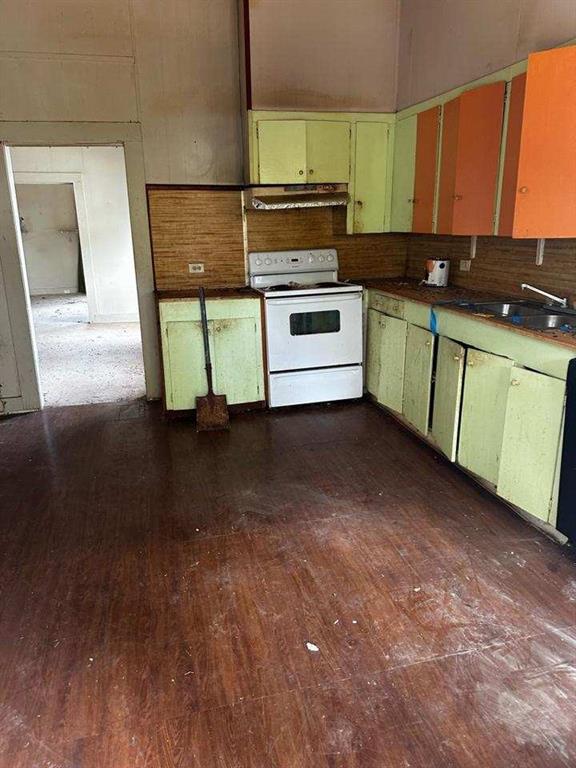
302	286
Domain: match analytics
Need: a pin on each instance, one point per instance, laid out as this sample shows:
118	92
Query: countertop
412	290
239	292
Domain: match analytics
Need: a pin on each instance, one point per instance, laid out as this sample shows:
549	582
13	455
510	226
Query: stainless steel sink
548	322
509	308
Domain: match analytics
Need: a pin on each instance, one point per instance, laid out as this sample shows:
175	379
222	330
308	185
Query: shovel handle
207	362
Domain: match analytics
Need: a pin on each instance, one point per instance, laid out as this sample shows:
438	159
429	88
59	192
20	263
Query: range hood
296	196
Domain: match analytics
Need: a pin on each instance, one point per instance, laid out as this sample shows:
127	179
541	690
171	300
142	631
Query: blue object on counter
433	322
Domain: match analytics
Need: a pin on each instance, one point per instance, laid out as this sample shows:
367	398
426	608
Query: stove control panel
277	262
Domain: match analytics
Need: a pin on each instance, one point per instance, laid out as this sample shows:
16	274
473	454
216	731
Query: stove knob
320	258
267	261
330	257
310	258
258	262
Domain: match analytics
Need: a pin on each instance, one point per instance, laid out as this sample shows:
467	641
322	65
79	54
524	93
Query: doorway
73	212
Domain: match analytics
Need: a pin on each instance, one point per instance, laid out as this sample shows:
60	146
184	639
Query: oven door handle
316	299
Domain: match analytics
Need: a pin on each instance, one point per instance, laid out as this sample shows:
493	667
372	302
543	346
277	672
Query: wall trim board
124	318
130	137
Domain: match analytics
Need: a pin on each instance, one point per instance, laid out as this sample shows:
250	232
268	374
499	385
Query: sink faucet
557	299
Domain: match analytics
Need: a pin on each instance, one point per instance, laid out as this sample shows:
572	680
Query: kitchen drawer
389	305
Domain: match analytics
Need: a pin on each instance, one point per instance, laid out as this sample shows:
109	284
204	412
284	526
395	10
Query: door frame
39	177
19	330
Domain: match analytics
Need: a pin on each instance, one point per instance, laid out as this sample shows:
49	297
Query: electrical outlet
465	265
195	268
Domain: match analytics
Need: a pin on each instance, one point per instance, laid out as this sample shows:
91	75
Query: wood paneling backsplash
190	225
501	264
300	228
196	225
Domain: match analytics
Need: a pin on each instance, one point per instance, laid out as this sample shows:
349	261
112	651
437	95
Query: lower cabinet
235	336
532	433
497	419
486	384
373	351
418	364
392	359
448	396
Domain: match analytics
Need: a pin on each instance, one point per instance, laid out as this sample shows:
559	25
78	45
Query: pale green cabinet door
371	160
328	151
282	151
404	172
447	395
418	377
532	431
184	374
392	357
235	335
373	351
238	359
486	385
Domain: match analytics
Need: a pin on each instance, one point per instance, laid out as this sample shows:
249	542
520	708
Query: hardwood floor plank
314	589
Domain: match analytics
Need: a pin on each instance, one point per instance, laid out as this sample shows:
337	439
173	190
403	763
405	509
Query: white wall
170	64
108	261
50	237
447	43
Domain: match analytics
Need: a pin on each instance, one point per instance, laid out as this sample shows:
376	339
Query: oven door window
308	323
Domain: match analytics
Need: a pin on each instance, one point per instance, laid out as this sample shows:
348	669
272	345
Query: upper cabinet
510	175
427	134
303	151
538	192
415	161
403	178
328	148
370	169
471	138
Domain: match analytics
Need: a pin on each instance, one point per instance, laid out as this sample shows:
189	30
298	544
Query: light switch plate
465	265
195	268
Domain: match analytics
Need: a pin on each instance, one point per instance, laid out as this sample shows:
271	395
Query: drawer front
387	304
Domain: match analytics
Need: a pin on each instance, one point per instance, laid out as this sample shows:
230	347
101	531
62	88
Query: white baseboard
130	317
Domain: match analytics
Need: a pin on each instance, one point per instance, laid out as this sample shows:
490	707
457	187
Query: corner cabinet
324	148
499	416
235	334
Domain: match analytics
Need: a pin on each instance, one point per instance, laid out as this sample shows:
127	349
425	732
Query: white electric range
313	327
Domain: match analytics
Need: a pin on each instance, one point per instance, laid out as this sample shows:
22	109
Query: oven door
314	331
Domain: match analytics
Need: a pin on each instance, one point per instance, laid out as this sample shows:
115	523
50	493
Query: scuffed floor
82	363
314	588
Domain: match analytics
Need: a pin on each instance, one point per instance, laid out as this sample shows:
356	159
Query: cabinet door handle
311	171
457	197
301	173
471	364
457	358
515	383
359	203
523	190
428	343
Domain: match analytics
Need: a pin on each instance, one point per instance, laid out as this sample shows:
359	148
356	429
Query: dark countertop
413	291
239	292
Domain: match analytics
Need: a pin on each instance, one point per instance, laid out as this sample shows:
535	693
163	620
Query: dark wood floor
158	590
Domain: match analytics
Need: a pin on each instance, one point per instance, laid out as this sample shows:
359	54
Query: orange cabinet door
545	203
428	123
472	134
446	192
511	158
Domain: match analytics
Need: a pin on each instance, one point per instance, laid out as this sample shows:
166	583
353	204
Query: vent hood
296	196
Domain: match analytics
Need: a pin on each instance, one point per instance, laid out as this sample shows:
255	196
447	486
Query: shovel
211	410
